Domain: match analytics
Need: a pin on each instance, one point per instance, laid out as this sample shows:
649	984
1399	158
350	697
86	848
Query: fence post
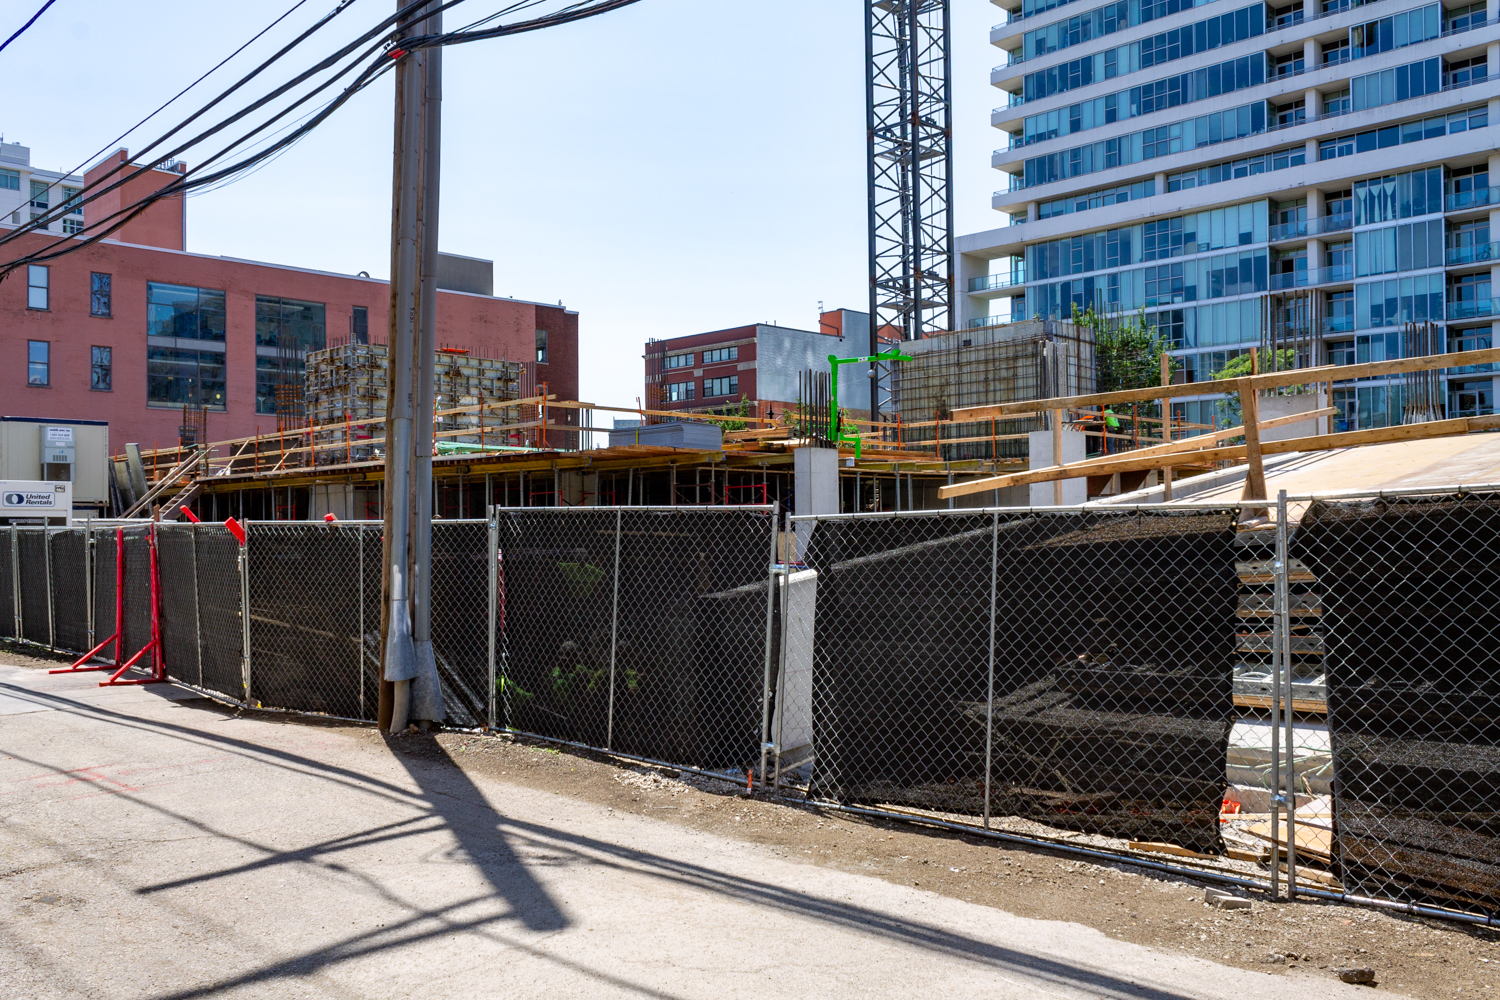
989	691
15	579
244	567
88	578
1278	609
197	601
1284	678
765	689
47	562
359	647
491	555
614	631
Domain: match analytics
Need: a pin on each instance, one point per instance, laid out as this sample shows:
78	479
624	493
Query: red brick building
130	332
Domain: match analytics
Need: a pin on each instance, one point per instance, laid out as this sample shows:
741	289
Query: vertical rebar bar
1284	678
989	692
492	555
614	634
765	693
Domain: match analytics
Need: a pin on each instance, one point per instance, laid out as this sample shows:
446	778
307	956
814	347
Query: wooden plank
1264	701
1159	848
1313	841
1270	380
1255	476
1184	452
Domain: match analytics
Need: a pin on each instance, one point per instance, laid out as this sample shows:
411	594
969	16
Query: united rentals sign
21	501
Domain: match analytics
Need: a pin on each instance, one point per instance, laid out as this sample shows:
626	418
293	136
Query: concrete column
1161	183
1314	259
1492	58
1494	167
970	267
1309	9
1309	53
1312	104
1314	203
1031	211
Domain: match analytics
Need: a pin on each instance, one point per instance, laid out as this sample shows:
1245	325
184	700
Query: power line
21	30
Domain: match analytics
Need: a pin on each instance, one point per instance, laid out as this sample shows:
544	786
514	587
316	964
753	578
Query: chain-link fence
1309	700
1410	598
641	631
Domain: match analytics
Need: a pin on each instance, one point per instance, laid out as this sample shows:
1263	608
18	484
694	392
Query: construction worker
1111	426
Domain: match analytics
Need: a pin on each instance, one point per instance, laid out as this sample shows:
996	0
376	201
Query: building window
99	294
721	386
10	180
184	346
359	325
1341	352
101	368
541	347
679	360
72	227
678	392
38	362
285	330
73	201
1471	399
38	290
721	355
38	196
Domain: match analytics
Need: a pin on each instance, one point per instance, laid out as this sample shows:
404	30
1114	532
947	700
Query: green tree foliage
1229	406
1127	353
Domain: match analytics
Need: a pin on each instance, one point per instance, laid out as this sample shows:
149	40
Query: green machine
835	423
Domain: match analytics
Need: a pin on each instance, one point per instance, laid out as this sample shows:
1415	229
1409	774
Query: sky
673	167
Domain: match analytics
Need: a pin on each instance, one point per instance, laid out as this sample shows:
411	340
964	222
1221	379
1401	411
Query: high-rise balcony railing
1457	201
990	282
1473	253
1472	308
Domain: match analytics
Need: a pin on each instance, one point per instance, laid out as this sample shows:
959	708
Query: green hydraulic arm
835	421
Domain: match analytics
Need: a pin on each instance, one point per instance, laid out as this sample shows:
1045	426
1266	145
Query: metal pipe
614	634
989	693
426	700
765	690
1284	678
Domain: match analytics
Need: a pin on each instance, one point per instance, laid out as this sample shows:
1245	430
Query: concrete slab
152	849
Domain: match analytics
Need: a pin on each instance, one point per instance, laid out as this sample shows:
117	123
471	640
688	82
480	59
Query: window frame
32	270
106	296
107	366
541	347
45	363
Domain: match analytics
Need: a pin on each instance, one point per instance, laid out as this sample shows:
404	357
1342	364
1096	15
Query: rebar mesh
638	630
1410	621
460	618
137	582
31	550
221	625
7	585
70	593
176	560
304	617
1112	693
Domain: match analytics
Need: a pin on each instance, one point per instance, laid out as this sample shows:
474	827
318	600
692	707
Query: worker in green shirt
1111	426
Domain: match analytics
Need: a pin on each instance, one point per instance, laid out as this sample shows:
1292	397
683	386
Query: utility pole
405	685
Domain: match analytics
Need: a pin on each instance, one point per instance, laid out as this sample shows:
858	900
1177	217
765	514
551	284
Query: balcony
1289	279
1330	224
1471	309
1336	273
1289	230
1473	253
991	282
1338	324
1460	200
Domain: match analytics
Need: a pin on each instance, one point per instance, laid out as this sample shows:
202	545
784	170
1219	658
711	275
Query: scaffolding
347	389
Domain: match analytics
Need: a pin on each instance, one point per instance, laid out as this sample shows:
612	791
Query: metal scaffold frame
909	119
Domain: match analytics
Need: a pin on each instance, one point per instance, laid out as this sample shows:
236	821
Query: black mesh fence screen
31	550
106	560
137	593
220	626
305	618
7	585
176	559
665	658
1411	613
460	618
70	590
1112	697
371	570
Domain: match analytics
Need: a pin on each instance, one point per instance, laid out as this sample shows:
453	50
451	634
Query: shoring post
47	562
765	691
614	632
1284	678
1278	569
989	691
244	568
492	555
197	601
15	580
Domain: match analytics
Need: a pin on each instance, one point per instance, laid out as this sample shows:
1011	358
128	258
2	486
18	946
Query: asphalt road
152	846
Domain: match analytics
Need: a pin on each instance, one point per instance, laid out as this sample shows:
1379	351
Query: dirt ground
1417	957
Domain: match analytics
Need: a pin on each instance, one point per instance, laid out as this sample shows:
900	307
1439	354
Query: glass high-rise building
1323	167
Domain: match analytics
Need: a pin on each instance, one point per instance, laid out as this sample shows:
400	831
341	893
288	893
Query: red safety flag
236	529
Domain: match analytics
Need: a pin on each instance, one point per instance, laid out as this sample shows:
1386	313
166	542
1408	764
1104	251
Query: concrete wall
1284	406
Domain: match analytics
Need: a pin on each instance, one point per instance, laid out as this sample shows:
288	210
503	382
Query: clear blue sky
674	167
